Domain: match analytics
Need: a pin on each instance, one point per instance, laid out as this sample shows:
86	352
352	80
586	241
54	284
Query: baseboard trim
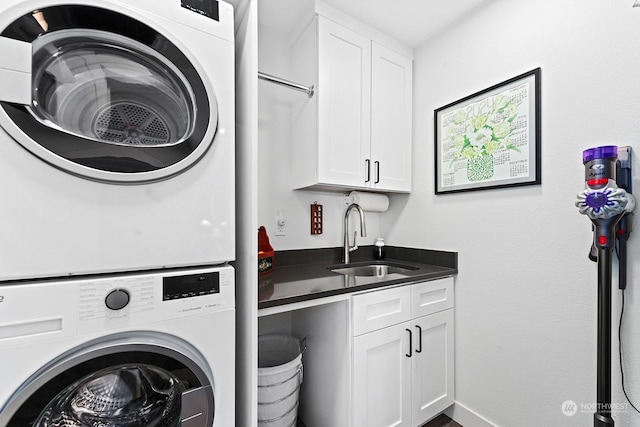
466	417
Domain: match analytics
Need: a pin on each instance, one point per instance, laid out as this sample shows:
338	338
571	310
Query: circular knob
117	299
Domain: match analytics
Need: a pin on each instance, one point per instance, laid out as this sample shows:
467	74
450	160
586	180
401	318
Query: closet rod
308	90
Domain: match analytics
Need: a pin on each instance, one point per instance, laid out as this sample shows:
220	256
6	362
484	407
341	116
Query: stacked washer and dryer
117	218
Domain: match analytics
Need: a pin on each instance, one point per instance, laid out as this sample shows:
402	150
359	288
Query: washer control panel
45	310
190	285
112	302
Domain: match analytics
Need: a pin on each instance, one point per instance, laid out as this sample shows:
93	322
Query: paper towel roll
371	202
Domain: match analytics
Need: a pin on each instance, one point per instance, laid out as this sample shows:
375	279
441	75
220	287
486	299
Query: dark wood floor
439	421
442	421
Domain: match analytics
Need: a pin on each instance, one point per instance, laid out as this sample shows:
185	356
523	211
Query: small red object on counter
265	252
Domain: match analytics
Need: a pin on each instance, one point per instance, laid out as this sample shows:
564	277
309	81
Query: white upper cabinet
391	119
355	133
344	102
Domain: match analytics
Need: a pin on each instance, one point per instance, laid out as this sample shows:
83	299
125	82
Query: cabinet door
391	119
433	373
344	102
381	378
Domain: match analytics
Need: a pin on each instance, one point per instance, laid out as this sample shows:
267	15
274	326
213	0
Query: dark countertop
302	275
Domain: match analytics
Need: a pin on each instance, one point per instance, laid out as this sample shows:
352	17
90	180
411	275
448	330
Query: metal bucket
279	377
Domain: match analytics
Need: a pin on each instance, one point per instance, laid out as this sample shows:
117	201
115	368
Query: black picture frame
490	139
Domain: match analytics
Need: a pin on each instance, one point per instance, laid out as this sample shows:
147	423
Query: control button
603	240
117	299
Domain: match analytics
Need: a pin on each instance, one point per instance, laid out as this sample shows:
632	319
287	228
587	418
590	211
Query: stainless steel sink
374	270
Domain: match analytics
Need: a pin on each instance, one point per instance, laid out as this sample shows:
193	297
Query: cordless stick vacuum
605	204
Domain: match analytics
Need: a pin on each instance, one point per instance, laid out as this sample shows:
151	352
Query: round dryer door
104	96
131	380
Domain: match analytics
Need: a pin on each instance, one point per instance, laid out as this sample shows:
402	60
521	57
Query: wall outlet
280	223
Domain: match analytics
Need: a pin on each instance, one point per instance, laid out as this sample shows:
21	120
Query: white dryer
116	136
136	350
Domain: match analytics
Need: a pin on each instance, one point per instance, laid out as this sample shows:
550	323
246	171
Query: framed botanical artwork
490	139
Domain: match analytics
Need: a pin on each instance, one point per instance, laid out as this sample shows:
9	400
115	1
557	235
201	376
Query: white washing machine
152	349
116	136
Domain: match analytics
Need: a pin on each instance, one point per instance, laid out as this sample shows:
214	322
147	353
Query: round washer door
132	379
109	98
121	395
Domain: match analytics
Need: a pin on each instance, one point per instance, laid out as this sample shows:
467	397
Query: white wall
526	292
275	160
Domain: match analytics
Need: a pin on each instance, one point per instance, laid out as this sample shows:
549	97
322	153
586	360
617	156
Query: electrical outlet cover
280	223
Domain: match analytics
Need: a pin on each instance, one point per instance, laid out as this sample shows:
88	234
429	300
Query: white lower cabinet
382	378
376	359
432	384
403	372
